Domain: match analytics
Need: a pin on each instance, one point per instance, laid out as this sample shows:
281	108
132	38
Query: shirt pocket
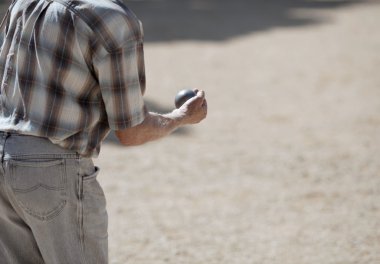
39	186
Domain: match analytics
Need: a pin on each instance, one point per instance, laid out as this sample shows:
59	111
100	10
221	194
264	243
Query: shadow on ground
218	20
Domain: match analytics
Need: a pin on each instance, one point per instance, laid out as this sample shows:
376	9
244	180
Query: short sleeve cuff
136	119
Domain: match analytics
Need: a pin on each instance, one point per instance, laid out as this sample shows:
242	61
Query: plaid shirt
71	70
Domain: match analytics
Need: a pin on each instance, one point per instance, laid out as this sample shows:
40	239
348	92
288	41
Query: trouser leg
61	202
17	243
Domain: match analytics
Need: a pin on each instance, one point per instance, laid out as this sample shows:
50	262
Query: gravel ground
286	168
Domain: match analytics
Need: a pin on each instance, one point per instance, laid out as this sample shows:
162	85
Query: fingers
201	101
200	97
200	93
197	100
204	107
204	104
195	109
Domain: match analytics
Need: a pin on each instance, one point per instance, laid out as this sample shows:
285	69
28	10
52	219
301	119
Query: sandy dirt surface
286	168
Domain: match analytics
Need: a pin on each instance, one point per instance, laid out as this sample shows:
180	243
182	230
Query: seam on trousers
80	210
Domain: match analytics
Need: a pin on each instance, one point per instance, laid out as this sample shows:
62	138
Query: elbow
129	142
126	143
130	139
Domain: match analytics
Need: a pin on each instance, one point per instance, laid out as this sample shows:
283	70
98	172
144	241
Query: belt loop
3	139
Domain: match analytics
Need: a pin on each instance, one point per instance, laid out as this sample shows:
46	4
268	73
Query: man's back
64	67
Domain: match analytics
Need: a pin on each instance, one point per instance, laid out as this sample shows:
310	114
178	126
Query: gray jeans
52	208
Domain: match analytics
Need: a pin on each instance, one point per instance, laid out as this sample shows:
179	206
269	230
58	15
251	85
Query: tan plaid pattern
71	70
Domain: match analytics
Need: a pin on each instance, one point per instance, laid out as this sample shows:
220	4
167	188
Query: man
70	70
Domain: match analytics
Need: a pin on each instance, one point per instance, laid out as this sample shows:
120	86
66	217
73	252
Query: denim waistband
21	145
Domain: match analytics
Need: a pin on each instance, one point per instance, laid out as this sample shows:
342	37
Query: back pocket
39	186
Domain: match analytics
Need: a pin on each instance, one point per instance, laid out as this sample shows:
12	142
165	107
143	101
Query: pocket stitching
37	186
49	214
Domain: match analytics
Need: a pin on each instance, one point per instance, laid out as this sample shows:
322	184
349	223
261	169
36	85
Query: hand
156	126
194	110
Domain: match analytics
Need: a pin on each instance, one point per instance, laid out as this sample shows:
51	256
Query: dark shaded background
216	20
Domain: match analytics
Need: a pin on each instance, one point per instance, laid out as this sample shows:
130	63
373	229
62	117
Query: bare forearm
154	126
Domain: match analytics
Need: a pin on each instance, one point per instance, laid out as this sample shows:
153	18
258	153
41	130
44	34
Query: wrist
178	117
